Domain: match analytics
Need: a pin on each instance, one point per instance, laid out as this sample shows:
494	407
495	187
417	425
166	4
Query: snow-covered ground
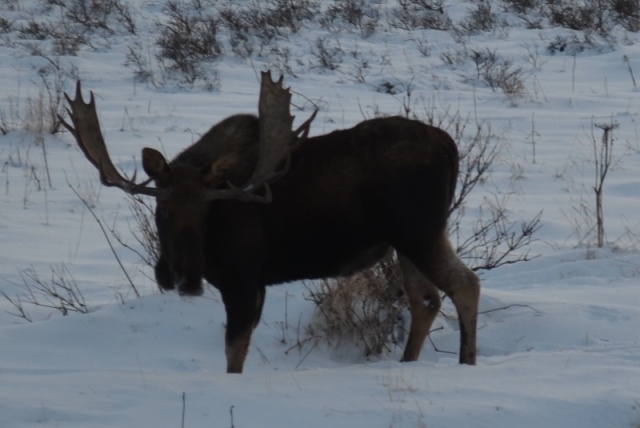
559	341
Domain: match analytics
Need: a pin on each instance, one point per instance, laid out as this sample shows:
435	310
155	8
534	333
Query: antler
277	141
86	130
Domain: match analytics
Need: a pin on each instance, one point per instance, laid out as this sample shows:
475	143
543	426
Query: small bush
290	14
327	55
68	42
107	15
364	310
352	13
479	19
34	30
139	63
627	13
143	230
491	69
575	43
240	37
60	292
6	26
187	39
424	14
274	18
522	6
581	15
40	112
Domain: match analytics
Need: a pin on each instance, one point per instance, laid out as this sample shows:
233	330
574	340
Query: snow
558	335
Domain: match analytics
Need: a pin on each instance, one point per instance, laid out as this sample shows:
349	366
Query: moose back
255	203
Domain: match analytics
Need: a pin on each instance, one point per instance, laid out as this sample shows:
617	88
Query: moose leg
243	314
424	304
164	276
462	286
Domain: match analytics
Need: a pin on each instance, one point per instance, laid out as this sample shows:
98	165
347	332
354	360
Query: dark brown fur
348	197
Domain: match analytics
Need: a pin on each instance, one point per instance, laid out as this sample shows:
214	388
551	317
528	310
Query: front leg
164	276
244	308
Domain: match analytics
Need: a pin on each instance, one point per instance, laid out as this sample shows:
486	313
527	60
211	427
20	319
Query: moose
255	203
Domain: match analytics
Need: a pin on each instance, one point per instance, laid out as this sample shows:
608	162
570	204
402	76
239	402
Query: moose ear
215	173
155	165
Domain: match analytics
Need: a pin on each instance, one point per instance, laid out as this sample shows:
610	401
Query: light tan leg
462	286
424	304
236	352
242	318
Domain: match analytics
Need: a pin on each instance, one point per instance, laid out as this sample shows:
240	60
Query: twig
626	60
18	305
304	357
435	348
184	406
515	305
106	236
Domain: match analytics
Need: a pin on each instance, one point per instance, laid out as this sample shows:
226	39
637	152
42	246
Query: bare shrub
88	204
582	220
522	6
455	57
139	62
582	15
60	292
364	310
280	59
35	30
485	62
495	239
143	230
6	27
76	23
289	14
360	14
259	23
100	14
498	73
414	14
508	78
602	157
327	54
240	37
9	119
39	112
479	19
68	42
575	43
492	238
187	39
43	112
627	13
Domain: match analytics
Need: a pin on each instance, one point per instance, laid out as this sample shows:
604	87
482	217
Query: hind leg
446	271
424	304
462	286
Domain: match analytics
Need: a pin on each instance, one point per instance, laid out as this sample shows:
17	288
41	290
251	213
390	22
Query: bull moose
255	203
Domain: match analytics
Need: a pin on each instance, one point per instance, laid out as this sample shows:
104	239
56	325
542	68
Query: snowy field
558	338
